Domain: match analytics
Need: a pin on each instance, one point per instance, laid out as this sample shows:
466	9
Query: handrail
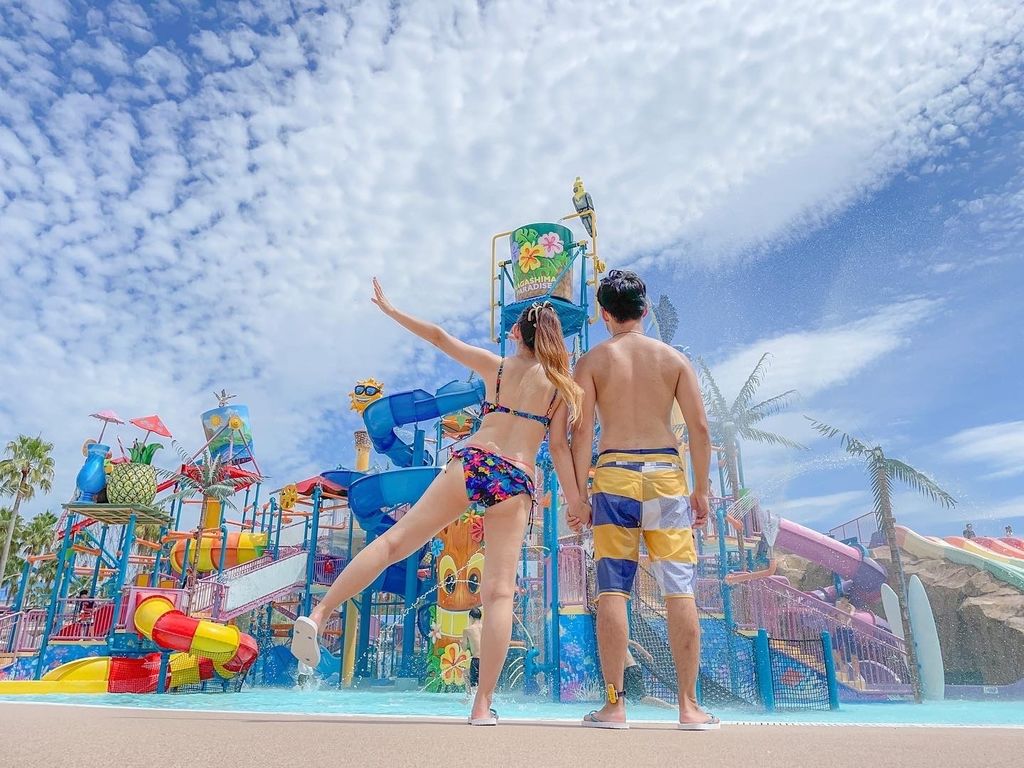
868	658
8	630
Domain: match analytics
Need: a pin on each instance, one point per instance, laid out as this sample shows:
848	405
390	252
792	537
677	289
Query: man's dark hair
474	613
623	295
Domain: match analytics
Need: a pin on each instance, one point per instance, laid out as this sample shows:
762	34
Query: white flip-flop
711	724
590	721
492	720
304	645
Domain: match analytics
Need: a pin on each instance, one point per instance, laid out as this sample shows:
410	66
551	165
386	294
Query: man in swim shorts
631	383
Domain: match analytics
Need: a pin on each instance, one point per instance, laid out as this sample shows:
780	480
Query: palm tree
9	523
729	423
666	318
26	467
39	533
883	471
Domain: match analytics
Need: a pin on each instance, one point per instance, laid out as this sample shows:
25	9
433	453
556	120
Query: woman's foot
692	717
481	706
305	646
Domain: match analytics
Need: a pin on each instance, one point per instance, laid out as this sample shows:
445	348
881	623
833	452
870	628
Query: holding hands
700	508
579	515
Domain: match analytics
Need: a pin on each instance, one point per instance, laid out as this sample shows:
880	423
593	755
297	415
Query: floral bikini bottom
490	478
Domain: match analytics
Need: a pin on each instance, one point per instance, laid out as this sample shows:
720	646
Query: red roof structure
305	487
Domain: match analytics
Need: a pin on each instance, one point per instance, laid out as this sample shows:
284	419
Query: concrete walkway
51	736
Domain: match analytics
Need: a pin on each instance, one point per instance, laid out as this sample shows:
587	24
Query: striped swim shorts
642	492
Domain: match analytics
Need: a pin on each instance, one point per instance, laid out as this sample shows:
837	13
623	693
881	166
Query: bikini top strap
497	384
551	406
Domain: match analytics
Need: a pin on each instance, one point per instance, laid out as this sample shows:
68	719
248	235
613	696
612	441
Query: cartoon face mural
365	392
460	570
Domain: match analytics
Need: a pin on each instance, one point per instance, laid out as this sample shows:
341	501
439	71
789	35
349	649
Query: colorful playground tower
765	642
133	611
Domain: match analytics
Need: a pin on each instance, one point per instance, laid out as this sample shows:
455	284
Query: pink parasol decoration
107	417
151	424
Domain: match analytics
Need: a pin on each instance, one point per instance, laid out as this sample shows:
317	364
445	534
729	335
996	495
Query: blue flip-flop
590	720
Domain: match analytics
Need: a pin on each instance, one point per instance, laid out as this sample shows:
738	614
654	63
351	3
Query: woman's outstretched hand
380	299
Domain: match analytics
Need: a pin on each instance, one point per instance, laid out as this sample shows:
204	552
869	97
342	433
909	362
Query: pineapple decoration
134	481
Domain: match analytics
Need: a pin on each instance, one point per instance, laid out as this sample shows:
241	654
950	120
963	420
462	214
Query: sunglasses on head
366	390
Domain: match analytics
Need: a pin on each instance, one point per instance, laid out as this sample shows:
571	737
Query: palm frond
851	444
715	403
919	481
768	438
667	318
879	492
771	406
751	384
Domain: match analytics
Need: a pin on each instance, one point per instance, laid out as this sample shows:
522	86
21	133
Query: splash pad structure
210	606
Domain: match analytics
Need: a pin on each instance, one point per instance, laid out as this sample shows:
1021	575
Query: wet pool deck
52	736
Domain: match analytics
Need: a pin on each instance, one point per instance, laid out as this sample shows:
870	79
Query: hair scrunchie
536	308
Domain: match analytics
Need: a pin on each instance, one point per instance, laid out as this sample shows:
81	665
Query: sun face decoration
289	497
365	392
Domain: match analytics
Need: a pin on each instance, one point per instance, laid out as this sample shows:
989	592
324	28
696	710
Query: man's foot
608	716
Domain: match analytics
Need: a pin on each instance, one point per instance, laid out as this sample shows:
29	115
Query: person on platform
471	642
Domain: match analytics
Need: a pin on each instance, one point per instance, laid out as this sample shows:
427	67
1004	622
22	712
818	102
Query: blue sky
196	197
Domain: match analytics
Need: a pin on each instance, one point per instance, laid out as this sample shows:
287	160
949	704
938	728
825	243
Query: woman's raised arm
480	360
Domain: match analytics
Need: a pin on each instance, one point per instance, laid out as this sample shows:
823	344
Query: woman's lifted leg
442	503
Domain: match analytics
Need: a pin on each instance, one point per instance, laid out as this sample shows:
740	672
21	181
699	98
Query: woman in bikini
529	394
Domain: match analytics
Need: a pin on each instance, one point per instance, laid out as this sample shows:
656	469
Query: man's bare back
633	381
636	380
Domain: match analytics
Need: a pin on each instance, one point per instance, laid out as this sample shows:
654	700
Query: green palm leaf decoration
732	423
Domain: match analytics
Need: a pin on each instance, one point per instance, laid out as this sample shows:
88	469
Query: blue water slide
372	496
382	417
369	499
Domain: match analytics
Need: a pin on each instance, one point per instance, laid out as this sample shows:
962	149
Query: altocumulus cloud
195	198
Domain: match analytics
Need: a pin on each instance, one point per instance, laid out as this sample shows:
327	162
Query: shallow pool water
418	704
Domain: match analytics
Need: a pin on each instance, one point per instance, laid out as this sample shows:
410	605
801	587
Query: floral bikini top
489	407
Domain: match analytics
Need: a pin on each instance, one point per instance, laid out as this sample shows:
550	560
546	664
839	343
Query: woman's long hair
541	331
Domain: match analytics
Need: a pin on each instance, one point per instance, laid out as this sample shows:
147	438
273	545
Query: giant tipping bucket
542	261
229	433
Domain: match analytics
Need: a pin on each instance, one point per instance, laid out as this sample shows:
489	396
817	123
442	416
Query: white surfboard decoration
926	638
769	526
891	607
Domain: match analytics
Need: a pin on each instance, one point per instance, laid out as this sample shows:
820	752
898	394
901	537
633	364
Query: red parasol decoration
305	488
107	417
151	424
